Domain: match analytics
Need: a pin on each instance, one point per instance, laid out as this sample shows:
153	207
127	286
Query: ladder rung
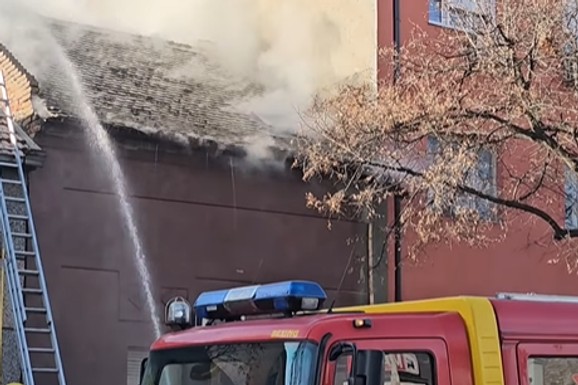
35	309
36	330
15	199
10	181
18	217
28	272
31	291
41	350
22	235
12	165
45	370
27	253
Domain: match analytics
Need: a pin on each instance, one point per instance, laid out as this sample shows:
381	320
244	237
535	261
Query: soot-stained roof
153	86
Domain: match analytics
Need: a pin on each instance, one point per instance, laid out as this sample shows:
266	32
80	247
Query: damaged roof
155	87
25	143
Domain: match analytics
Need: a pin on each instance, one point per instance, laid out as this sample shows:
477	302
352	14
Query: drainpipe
396	40
397	245
397	199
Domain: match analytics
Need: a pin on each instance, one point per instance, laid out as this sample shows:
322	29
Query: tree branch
559	231
537	185
537	134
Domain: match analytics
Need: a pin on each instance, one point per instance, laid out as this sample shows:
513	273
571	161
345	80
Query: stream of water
106	151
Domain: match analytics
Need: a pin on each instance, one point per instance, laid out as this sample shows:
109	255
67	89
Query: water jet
105	150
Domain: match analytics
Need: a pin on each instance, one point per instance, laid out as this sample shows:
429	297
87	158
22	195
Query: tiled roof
149	85
20	86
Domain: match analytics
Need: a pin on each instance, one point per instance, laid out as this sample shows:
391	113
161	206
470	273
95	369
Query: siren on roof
178	313
274	298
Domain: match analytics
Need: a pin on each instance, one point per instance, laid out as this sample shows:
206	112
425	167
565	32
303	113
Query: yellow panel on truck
480	321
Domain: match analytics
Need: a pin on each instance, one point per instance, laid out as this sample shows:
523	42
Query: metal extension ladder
36	335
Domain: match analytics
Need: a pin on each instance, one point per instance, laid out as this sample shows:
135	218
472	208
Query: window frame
444	19
570	199
431	356
488	211
434	347
158	358
542	350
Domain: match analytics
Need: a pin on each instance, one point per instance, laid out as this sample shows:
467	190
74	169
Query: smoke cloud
291	48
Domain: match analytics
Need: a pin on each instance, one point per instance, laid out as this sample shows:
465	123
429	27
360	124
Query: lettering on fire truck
285	333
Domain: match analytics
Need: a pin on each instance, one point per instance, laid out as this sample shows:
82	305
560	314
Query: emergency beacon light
282	297
178	313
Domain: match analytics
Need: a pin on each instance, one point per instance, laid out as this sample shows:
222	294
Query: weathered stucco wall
204	224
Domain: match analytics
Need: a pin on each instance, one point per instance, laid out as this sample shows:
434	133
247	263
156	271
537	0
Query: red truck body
460	341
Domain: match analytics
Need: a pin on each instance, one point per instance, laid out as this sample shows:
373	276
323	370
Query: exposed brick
18	85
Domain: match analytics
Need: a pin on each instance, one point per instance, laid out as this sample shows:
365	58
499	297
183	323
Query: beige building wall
358	51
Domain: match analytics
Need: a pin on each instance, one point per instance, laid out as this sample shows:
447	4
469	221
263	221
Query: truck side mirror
345	349
369	367
342	348
143	368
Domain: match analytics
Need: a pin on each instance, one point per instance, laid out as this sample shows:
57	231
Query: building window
400	368
435	11
461	14
552	370
571	201
481	177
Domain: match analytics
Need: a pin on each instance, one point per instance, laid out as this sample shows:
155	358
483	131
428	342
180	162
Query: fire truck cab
277	334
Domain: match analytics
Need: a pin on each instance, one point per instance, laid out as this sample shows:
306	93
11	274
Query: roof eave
213	147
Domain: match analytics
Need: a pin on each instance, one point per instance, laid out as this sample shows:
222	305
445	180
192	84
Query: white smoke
292	48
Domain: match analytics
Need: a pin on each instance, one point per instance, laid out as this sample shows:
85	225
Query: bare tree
480	129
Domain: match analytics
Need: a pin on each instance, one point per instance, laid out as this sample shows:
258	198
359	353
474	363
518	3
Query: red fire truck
277	334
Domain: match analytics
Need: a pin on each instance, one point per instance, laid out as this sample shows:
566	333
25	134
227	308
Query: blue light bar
281	297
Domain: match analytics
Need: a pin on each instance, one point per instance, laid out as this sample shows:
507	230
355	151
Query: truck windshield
271	363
